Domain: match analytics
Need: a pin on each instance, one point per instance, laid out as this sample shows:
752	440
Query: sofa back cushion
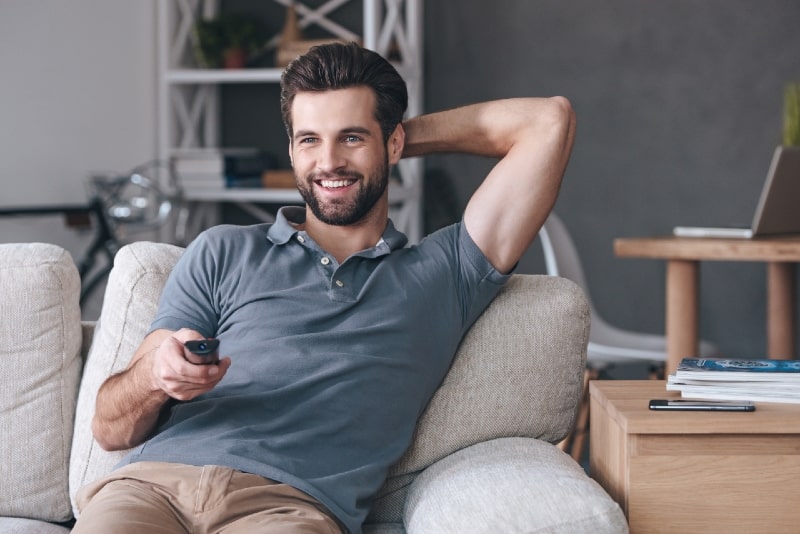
517	373
40	341
129	305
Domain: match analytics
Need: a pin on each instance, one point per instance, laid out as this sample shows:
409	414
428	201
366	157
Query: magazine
761	370
762	380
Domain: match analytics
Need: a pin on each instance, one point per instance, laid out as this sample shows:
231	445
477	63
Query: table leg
682	315
781	313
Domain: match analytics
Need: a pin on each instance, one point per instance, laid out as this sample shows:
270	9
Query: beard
346	211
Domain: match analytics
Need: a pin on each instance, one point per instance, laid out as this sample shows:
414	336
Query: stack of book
215	168
727	379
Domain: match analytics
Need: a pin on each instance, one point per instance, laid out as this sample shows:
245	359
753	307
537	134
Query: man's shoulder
231	233
228	240
447	240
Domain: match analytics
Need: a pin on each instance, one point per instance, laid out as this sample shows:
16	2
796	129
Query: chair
608	345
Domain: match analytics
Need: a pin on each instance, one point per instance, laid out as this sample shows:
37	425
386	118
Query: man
336	334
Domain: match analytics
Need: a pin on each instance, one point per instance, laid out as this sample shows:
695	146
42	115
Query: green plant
227	34
791	114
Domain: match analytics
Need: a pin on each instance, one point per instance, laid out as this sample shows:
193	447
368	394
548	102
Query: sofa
483	459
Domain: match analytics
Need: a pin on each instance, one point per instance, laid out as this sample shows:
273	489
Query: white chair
608	345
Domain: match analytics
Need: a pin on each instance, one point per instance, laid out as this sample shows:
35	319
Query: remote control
202	351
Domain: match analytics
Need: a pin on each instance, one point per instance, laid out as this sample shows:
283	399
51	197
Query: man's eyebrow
357	129
303	133
347	130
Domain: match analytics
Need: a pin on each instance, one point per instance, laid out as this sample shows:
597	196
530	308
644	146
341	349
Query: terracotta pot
234	58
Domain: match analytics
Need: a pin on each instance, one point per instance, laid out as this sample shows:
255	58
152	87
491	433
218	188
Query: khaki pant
155	498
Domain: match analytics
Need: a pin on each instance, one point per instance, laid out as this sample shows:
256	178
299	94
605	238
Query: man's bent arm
533	138
129	403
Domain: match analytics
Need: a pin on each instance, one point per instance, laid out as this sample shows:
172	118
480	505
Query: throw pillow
40	357
129	305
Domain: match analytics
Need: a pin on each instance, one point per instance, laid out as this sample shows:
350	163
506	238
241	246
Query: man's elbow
562	112
560	123
102	437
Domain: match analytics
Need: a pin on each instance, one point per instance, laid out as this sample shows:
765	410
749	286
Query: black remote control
202	351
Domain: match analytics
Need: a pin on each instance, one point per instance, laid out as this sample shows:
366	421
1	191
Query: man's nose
330	158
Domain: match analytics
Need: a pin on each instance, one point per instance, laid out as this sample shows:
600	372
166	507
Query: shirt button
340	283
300	238
325	261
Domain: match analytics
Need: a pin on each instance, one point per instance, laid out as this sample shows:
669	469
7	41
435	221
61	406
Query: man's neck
342	242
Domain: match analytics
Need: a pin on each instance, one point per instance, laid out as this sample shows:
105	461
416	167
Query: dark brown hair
339	66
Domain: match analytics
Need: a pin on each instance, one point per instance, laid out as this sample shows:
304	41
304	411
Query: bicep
510	206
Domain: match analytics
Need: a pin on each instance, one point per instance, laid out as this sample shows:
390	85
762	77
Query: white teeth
335	183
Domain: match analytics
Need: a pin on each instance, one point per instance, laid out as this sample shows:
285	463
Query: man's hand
129	403
176	376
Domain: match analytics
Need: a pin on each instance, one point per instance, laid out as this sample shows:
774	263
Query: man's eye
307	140
352	139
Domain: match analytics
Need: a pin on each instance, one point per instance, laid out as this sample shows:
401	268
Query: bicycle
130	202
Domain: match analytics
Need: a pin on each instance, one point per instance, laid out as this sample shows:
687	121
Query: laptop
778	209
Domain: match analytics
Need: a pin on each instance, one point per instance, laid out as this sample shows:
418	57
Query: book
202	180
221	168
764	370
756	380
763	391
221	162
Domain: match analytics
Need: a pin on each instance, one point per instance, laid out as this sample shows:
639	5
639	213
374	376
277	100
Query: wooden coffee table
695	472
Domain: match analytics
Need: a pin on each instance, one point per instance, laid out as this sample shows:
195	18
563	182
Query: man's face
340	161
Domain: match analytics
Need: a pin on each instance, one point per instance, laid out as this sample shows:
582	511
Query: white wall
77	96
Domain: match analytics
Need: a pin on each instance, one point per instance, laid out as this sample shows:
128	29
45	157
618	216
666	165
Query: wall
678	106
679	111
77	97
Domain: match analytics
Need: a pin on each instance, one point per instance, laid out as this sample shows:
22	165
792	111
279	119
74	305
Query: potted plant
791	114
226	41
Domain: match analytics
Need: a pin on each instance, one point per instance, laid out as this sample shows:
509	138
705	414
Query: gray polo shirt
331	364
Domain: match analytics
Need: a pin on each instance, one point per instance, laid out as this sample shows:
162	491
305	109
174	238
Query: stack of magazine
727	379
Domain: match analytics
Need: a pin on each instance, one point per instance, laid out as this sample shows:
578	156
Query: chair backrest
560	255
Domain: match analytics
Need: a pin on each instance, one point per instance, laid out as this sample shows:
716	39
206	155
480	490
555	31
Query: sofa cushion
40	340
503	386
18	525
129	305
511	485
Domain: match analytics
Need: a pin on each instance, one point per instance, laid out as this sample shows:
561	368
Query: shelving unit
189	97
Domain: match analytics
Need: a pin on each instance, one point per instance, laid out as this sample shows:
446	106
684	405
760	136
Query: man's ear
396	144
291	159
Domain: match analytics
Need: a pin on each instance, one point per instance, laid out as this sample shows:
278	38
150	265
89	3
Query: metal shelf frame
189	97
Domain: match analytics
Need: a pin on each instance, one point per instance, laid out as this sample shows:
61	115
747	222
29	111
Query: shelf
200	76
241	195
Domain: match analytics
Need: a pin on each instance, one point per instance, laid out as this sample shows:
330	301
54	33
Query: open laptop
778	210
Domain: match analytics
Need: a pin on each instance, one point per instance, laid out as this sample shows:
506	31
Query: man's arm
129	403
533	138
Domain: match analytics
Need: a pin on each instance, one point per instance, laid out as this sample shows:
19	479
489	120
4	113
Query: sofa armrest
510	485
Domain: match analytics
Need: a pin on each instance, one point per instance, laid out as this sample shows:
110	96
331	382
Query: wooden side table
684	254
695	471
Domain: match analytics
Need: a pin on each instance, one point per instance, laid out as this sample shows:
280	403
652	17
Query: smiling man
335	333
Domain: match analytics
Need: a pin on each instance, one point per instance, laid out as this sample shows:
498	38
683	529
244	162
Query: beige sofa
482	459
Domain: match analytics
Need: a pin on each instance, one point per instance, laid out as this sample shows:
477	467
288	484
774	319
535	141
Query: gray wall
679	110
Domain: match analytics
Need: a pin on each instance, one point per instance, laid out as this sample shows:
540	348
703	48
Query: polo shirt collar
283	229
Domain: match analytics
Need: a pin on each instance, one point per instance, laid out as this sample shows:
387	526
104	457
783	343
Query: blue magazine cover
755	366
735	370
